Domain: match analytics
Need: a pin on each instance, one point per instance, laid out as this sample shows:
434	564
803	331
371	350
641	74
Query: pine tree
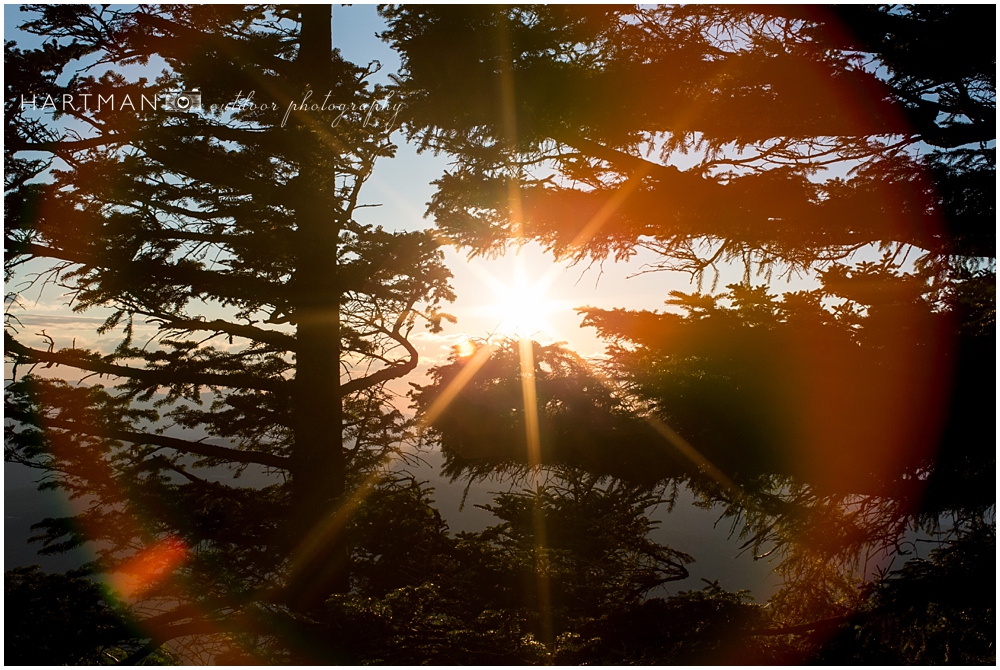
230	234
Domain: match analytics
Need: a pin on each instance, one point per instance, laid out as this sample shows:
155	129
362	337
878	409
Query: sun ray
456	385
529	393
695	456
526	348
324	533
610	207
675	440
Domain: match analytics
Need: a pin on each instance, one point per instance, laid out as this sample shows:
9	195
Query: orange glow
149	567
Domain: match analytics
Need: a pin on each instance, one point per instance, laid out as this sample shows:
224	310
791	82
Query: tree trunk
319	557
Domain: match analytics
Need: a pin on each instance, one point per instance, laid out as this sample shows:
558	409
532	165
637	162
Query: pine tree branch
822	624
201	282
220	132
277	339
189	236
164	635
84	360
666	173
177	444
187	35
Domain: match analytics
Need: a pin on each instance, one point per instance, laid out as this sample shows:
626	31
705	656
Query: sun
522	307
465	348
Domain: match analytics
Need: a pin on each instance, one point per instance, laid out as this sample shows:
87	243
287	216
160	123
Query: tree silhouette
61	620
582	422
254	310
854	145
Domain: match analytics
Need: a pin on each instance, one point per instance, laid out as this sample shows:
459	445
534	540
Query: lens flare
149	567
465	348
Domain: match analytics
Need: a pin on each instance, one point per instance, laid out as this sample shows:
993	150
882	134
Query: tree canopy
697	131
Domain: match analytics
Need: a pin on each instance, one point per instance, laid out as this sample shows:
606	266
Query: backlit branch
182	446
90	362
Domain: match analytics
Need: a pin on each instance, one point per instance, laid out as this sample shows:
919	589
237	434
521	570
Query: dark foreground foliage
423	595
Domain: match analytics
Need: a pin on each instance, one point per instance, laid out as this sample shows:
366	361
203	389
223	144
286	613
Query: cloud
52	320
